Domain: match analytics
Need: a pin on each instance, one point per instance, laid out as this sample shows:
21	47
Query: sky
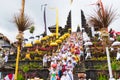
8	8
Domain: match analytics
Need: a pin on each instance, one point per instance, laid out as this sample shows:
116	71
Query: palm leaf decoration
100	20
22	23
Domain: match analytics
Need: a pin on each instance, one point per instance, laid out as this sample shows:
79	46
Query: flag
44	17
45	20
71	1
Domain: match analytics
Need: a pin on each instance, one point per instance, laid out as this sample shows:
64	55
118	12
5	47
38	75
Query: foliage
102	77
99	58
35	55
118	38
114	64
34	65
32	29
103	21
22	23
31	65
26	68
101	67
20	77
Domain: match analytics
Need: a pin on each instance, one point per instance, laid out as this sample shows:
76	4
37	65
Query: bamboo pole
17	61
109	65
19	45
57	23
22	10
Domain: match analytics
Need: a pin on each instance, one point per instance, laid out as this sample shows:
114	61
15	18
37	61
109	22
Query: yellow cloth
72	50
77	58
27	56
36	50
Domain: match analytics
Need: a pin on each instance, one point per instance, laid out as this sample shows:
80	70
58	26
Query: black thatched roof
52	29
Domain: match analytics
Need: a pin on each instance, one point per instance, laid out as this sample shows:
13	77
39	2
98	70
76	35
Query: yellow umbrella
62	38
67	34
53	44
28	45
54	34
47	37
51	35
43	39
58	41
37	42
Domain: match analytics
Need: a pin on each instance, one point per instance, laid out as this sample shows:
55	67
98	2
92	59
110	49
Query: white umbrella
88	43
116	43
86	39
112	39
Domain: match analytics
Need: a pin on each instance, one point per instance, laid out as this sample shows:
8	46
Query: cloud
33	9
10	34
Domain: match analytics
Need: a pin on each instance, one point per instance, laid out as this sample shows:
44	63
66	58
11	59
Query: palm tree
23	23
